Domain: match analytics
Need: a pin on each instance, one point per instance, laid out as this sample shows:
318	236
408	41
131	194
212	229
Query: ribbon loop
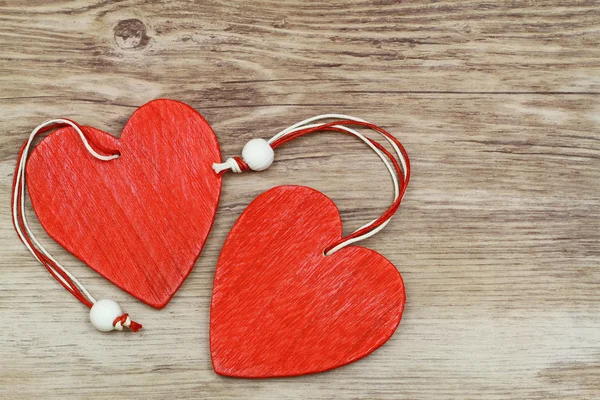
399	171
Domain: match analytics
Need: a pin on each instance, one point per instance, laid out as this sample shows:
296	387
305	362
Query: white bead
258	154
103	314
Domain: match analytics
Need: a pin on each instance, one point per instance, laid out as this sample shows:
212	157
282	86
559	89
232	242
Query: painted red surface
140	220
280	307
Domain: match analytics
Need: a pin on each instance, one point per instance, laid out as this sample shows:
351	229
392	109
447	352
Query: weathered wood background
497	103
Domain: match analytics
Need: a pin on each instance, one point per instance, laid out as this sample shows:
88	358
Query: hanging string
400	173
68	281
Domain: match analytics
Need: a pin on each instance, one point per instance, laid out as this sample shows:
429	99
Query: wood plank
497	239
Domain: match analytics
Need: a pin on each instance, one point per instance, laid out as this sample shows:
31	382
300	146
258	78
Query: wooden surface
497	104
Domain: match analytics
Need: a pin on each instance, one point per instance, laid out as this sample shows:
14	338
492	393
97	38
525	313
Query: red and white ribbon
258	155
69	282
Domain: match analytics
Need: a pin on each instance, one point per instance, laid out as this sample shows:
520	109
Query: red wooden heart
280	307
140	220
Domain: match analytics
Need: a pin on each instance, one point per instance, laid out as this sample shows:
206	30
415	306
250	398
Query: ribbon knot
125	321
235	164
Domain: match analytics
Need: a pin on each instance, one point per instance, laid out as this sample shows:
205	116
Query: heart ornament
281	307
290	295
139	220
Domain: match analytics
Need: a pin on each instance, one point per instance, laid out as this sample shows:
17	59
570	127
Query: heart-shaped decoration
280	307
140	220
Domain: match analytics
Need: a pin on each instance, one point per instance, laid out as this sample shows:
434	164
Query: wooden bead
103	314
258	154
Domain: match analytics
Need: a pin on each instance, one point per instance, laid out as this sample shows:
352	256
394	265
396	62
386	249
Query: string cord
19	189
400	172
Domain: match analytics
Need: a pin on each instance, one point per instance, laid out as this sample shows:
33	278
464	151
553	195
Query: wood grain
497	238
